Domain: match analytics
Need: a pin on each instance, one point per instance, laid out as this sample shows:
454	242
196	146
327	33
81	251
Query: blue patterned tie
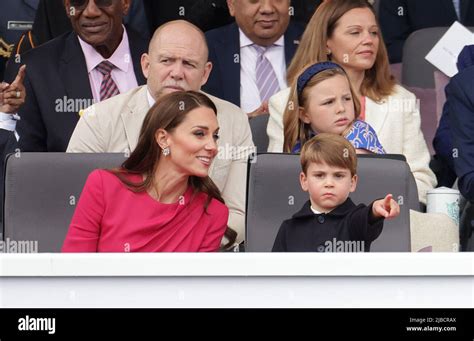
267	81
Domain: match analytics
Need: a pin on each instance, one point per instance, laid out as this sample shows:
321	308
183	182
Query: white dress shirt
249	93
457	8
123	74
8	122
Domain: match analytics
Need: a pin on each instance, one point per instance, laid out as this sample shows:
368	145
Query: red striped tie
108	88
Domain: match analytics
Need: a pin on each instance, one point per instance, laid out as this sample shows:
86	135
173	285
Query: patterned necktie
108	88
267	81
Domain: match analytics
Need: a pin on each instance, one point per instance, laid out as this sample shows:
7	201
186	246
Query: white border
236	264
237	280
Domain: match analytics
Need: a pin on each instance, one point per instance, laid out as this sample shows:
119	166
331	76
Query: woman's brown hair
167	113
378	81
294	129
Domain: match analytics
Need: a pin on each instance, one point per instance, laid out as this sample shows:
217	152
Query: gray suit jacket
114	125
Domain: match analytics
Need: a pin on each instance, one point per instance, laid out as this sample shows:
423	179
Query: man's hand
385	208
12	96
261	110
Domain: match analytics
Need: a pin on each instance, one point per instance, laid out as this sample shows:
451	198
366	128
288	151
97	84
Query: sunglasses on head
81	4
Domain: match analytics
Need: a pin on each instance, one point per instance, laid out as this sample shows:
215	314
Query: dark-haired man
250	56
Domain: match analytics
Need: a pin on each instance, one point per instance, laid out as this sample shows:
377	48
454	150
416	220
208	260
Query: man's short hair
331	149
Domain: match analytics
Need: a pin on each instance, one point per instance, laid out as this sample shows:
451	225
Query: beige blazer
114	125
396	120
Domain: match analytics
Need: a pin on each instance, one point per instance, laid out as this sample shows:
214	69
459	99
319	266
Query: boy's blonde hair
332	149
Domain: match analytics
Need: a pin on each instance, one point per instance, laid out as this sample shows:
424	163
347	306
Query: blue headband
314	69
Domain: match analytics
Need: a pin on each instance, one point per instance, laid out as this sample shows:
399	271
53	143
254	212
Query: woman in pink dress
161	199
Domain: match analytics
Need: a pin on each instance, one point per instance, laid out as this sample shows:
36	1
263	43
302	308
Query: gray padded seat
274	194
417	71
42	191
258	126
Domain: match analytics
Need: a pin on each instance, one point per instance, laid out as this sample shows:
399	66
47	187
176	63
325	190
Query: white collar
150	98
245	41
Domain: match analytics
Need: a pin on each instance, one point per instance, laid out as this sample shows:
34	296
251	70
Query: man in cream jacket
177	60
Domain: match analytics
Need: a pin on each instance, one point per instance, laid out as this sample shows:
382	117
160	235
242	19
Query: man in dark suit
460	118
399	18
443	141
210	14
205	14
65	75
261	39
51	21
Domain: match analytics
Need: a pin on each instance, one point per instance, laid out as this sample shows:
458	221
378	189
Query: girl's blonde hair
294	129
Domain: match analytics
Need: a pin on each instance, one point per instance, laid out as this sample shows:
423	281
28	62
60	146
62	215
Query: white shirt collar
315	211
245	41
121	57
151	100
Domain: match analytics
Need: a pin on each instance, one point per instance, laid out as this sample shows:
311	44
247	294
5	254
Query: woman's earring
166	151
328	52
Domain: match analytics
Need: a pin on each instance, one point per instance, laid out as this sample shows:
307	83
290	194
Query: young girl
322	100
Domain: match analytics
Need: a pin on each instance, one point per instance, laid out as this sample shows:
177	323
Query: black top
399	18
346	228
205	14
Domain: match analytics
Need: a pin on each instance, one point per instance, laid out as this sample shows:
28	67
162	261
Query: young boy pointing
330	218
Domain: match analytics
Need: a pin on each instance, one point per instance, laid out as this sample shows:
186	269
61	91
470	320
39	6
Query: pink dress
111	218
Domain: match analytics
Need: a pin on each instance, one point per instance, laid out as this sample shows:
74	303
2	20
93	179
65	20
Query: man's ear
231	6
207	72
304	181
162	138
67	8
145	63
303	115
354	183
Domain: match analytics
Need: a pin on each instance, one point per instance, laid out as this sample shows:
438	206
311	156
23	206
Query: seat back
429	118
42	191
274	194
258	126
417	71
